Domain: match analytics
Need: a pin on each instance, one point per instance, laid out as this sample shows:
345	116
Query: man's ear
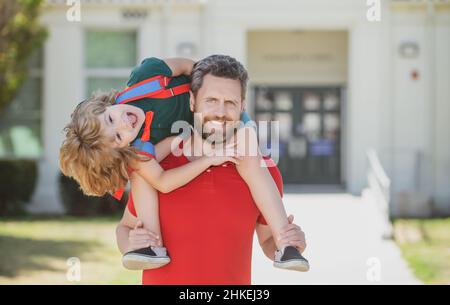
191	100
244	105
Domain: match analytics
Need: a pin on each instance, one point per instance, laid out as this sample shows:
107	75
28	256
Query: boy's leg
145	200
267	198
287	256
262	186
269	203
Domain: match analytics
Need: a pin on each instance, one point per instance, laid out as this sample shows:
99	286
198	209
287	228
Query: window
20	123
109	58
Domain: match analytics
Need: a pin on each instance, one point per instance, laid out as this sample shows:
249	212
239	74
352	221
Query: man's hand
293	235
139	238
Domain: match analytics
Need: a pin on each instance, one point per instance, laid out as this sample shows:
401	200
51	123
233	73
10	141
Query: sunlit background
361	93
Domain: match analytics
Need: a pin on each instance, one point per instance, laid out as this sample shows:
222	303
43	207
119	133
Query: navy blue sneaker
146	258
290	258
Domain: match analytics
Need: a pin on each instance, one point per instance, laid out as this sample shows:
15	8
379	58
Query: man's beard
217	136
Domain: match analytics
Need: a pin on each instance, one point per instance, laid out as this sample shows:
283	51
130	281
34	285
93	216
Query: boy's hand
139	238
180	66
293	235
229	154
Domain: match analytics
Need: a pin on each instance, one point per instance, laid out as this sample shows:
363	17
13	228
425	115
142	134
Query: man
208	224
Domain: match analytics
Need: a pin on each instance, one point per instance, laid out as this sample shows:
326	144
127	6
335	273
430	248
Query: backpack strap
154	87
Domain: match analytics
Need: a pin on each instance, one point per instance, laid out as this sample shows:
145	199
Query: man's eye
118	137
110	119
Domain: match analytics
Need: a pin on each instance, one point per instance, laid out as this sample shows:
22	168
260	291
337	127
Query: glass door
310	131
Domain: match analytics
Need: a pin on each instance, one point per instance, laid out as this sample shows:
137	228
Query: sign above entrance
298	57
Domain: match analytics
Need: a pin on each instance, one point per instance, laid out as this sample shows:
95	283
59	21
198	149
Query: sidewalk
344	245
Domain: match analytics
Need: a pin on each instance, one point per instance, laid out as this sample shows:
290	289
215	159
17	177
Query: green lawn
425	245
35	251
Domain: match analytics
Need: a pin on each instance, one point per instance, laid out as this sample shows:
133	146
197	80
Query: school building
338	82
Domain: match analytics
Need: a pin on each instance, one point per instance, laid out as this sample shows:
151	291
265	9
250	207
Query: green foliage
425	244
78	204
17	183
20	34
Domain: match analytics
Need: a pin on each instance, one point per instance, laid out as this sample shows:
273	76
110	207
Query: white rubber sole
301	266
139	262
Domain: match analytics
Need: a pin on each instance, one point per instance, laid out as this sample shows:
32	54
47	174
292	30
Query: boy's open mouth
132	118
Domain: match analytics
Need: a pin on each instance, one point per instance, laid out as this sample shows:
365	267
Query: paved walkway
344	244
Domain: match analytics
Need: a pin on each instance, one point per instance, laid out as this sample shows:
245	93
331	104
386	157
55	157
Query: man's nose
220	111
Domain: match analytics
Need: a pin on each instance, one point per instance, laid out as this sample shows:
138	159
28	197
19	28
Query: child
97	152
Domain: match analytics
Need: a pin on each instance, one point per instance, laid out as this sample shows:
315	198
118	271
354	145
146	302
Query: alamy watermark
73	13
373	273
73	269
374	10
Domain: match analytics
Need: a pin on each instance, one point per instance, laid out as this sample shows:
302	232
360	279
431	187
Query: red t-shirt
207	227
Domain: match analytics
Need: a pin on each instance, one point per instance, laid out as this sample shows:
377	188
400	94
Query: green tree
20	35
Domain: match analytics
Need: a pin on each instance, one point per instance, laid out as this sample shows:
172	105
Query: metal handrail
380	185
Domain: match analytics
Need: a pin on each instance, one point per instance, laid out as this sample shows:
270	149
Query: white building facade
337	82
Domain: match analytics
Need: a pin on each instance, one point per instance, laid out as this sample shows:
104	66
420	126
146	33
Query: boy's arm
180	66
164	148
166	181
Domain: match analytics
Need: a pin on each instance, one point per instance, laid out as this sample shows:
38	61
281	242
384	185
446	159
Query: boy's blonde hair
88	156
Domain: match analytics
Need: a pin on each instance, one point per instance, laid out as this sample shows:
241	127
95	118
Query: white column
442	114
413	104
150	36
63	90
366	70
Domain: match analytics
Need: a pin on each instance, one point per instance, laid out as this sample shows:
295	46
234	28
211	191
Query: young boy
97	151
